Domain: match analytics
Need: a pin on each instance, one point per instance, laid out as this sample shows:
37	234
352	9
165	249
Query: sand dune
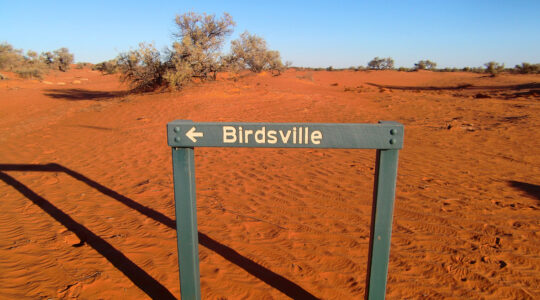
86	192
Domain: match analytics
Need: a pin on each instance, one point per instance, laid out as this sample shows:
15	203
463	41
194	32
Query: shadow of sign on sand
530	189
138	276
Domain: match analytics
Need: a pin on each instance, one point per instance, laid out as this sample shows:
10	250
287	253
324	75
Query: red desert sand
87	205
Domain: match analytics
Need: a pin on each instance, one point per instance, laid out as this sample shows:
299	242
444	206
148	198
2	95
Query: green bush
59	59
381	63
425	65
47	58
107	67
30	72
10	58
82	65
527	68
25	65
493	68
62	59
251	52
142	68
32	65
196	53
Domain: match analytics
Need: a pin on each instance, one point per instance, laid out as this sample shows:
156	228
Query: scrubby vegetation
32	65
106	67
62	59
196	55
196	52
142	68
425	65
493	68
527	68
251	52
82	65
381	63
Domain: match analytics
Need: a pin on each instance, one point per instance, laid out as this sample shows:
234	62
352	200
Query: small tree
493	68
196	52
381	63
250	51
527	68
10	58
107	67
47	58
142	68
27	65
62	59
425	65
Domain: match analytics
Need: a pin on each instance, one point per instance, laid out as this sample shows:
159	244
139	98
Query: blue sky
307	33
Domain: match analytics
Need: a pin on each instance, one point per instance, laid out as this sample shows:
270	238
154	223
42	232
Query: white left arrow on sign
192	134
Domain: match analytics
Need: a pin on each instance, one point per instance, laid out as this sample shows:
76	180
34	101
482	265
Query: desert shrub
404	69
62	59
81	65
473	69
30	72
493	68
448	70
10	57
142	68
251	52
106	67
59	59
25	65
195	53
230	63
197	49
381	63
361	68
527	68
47	58
425	65
31	64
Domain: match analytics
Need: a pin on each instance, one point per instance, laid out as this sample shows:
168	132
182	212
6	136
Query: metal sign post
183	136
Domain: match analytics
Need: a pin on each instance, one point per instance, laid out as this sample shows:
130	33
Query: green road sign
285	135
184	135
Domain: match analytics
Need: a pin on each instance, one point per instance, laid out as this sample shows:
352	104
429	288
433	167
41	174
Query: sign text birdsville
296	135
